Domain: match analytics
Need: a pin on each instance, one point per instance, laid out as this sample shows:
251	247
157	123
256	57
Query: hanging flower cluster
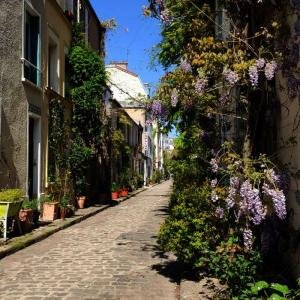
251	194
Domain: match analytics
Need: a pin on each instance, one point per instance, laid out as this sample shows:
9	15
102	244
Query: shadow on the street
162	211
170	269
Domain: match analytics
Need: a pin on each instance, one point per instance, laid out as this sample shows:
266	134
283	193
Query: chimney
120	64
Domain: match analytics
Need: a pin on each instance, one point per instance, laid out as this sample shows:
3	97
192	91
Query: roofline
121	69
95	14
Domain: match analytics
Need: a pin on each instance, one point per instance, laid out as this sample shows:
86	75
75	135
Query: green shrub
114	187
11	195
199	239
30	204
265	290
157	176
189	231
64	201
232	265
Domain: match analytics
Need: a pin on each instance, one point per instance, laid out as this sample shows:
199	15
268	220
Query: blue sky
133	38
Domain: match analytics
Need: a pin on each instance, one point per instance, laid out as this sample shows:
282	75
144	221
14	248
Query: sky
134	37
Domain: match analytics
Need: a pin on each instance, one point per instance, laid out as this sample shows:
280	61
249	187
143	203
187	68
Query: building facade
130	92
35	41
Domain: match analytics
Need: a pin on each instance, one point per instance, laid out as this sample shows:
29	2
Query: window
53	62
31	59
69	6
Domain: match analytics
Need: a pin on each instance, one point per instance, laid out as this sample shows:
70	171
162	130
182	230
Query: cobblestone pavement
112	255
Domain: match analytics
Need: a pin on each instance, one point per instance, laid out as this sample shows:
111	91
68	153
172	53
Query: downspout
78	11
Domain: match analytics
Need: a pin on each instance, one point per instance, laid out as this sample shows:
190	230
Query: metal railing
31	72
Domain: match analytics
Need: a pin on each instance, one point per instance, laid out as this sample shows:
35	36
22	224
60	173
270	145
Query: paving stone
108	256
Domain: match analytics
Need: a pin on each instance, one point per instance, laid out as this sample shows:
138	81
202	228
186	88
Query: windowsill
31	84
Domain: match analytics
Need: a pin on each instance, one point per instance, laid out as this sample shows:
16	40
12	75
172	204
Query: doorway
34	160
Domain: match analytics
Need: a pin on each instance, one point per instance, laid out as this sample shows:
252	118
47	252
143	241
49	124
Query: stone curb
205	288
24	241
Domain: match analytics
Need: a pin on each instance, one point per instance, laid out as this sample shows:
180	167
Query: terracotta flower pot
26	219
124	193
50	211
114	195
81	201
63	212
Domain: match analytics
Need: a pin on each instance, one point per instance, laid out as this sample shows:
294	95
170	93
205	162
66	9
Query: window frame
28	7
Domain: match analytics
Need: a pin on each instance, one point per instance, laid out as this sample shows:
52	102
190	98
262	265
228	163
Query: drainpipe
78	11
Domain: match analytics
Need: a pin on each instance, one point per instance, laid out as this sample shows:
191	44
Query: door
34	157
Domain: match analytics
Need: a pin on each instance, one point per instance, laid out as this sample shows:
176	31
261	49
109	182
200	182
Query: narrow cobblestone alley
112	255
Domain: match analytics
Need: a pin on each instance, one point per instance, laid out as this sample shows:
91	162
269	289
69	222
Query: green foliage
234	266
64	202
189	231
88	81
46	199
114	187
125	177
59	135
11	195
157	176
265	290
30	204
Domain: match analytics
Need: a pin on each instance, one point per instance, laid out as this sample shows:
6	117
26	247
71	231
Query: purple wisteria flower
214	183
201	85
231	77
219	213
270	69
185	66
260	63
251	204
224	97
174	98
156	108
253	74
233	187
149	122
214	196
159	2
278	199
248	238
273	176
284	182
214	165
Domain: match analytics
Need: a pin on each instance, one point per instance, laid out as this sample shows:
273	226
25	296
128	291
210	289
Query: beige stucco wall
15	95
290	154
288	127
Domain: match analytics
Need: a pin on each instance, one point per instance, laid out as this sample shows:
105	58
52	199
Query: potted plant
81	192
10	205
124	184
114	191
26	215
64	202
49	207
35	211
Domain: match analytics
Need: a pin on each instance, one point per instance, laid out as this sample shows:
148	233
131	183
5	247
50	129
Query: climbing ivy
89	124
